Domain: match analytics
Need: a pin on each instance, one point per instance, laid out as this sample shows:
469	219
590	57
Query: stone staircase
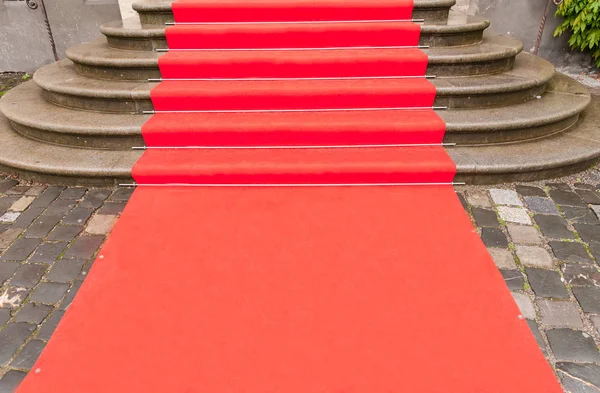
510	114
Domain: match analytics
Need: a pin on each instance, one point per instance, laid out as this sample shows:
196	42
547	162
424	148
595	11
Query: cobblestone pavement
544	238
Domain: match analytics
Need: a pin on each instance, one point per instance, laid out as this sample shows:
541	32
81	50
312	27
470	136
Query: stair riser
437	40
430	15
101	180
468	176
91	141
124	105
436	69
476	138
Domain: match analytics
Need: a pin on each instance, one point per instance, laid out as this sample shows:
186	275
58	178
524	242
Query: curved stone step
557	110
159	11
64	87
41	161
36	118
97	60
559	155
459	29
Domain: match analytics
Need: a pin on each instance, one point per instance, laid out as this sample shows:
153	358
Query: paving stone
566	198
49	326
35	190
581	275
582	215
559	313
11	381
559	186
554	227
49	292
60	207
7	184
494	237
28	355
13	297
479	199
122	194
570	251
4	316
596	322
33	313
589	196
7	269
94	198
505	197
42	226
595	250
9	217
546	283
574	385
116	208
28	275
523	234
514	279
65	270
20	249
8	237
538	336
11	338
65	232
588	232
47	196
534	256
596	210
584	186
525	305
29	216
71	293
588	298
503	258
48	252
514	214
73	193
22	204
77	216
485	217
587	372
572	346
17	190
529	191
84	247
101	224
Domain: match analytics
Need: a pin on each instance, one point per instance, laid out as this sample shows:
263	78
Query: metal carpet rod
302	110
154	80
292	185
291	147
292	49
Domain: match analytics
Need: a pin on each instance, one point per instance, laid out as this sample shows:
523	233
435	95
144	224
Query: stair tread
23	154
579	145
25	105
529	71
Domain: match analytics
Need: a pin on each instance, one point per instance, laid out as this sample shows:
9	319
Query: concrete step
41	161
548	157
458	29
36	118
97	60
159	11
64	87
559	155
556	111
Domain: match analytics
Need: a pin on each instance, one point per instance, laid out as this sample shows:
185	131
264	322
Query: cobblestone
514	214
534	256
559	313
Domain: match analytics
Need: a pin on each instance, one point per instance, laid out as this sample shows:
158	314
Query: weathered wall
522	19
24	43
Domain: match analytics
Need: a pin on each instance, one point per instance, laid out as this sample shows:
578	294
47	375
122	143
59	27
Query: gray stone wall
24	41
522	19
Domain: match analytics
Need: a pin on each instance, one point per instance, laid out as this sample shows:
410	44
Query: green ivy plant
582	18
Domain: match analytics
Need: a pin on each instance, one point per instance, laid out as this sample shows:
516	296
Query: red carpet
294	281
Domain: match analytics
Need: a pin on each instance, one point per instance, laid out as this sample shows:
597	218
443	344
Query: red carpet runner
311	286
